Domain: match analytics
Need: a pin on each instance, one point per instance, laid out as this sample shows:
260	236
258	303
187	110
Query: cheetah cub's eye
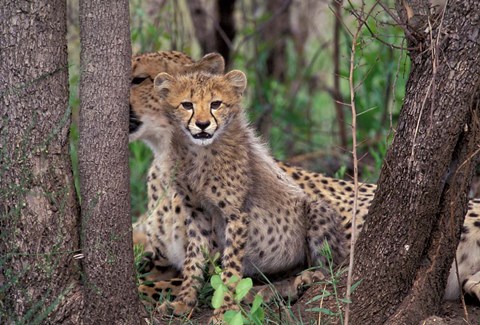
187	105
216	104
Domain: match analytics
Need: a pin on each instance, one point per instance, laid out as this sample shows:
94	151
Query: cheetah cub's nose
202	125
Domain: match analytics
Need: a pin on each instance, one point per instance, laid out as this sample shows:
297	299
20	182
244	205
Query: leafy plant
331	282
255	315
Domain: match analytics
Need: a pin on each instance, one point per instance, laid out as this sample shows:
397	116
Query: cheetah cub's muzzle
202	124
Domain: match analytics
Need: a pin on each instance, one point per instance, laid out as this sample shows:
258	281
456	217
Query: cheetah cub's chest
220	179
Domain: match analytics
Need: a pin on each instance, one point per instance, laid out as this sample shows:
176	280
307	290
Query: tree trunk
225	32
203	20
109	282
405	250
275	35
214	25
38	207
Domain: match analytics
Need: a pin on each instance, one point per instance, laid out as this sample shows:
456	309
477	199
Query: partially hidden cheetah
260	219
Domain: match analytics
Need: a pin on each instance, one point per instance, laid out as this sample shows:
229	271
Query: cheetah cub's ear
237	80
212	63
163	82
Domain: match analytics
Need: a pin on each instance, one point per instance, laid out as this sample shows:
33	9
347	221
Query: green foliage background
304	128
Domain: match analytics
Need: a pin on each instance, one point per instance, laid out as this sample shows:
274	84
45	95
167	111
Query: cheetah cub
263	222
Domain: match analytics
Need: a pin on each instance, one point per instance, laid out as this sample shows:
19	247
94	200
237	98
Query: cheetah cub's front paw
216	320
218	314
308	277
177	308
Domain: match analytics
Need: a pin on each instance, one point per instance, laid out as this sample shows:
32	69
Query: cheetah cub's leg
288	288
157	289
158	277
199	234
156	268
164	229
323	226
236	234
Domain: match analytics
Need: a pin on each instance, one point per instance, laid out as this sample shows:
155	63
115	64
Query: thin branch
337	94
375	36
404	26
355	158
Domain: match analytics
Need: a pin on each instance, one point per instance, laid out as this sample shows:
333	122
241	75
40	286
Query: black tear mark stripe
215	119
191	117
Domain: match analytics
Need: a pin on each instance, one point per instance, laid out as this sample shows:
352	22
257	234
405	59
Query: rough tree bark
38	207
109	281
405	250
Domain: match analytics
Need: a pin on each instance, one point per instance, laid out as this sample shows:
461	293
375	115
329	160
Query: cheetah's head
147	119
201	104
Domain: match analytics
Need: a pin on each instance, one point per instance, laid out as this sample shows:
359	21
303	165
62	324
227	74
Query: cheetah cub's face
202	104
147	121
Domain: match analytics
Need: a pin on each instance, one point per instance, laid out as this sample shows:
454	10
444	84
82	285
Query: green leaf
325	294
258	316
345	300
321	310
233	317
216	281
257	302
237	319
243	287
355	285
218	295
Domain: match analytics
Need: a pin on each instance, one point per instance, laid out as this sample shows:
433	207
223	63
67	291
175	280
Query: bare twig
361	23
337	94
462	297
319	322
376	36
404	26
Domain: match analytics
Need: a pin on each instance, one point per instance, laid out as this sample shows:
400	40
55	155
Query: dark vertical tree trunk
275	35
225	33
408	243
38	208
203	22
109	283
214	25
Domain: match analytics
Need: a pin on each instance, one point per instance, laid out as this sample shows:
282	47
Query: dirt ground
451	313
